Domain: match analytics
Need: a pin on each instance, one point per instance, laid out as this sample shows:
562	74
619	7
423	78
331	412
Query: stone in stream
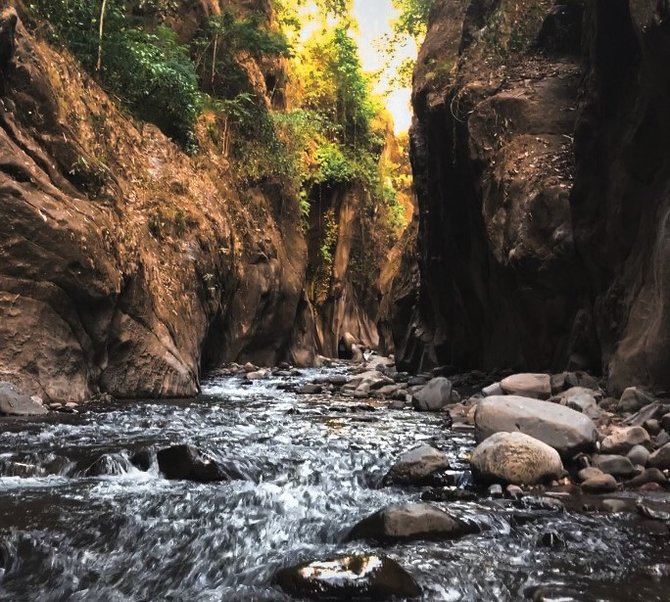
625	439
409	522
309	390
639	455
656	510
434	396
661	458
567	431
588	473
515	458
349	577
617	466
650	475
185	463
107	464
142	459
15	403
603	483
423	465
537	386
633	399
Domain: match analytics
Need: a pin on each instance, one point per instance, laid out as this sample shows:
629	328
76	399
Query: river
311	469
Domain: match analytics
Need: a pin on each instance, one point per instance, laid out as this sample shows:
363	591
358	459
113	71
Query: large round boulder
423	465
515	458
407	522
567	431
348	578
528	385
434	395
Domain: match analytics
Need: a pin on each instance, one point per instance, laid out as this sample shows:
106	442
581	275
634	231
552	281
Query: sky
374	18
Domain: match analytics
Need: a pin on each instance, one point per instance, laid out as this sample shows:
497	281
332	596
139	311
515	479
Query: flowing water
311	471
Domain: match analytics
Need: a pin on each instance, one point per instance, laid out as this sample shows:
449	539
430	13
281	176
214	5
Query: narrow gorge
334	300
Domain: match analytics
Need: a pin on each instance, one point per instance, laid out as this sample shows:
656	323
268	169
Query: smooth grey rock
494	389
409	522
634	399
348	578
537	386
653	427
617	466
515	458
567	431
660	458
309	389
15	403
639	455
665	422
623	440
434	396
419	466
663	438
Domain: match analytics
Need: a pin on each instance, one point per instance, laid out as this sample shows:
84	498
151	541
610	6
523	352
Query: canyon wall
543	189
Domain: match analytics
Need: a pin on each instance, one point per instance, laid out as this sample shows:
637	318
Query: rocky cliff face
543	188
127	266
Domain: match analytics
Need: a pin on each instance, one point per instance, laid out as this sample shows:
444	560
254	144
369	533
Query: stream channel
312	467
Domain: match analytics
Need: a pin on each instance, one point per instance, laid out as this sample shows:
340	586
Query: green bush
149	71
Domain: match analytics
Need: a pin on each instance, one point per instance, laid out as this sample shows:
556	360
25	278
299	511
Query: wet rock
625	439
434	396
249	367
397	404
349	577
649	412
650	475
183	462
514	492
665	422
142	459
258	375
423	465
107	464
617	466
339	380
566	430
495	491
388	390
417	381
409	522
370	380
653	427
309	390
588	473
494	389
604	483
663	438
15	403
639	455
448	494
515	458
615	506
537	386
634	399
661	458
656	510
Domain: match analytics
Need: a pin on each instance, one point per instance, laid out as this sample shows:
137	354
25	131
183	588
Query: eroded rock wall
543	188
126	265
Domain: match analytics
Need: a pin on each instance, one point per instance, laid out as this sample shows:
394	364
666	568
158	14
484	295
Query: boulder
604	483
348	578
588	473
537	386
14	403
185	463
515	458
665	422
639	455
409	522
434	395
617	466
650	475
567	431
625	439
309	389
633	399
494	389
423	465
660	458
258	375
371	380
